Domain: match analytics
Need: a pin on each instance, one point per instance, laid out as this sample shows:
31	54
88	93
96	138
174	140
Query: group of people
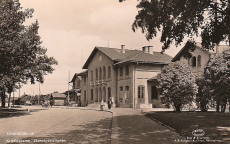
102	104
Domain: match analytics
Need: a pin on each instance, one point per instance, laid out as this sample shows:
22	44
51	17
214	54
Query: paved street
83	126
61	125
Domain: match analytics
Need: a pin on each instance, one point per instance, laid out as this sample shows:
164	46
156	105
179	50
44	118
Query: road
57	125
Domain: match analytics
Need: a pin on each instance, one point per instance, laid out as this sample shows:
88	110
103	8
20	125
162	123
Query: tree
177	85
22	56
203	96
177	19
217	77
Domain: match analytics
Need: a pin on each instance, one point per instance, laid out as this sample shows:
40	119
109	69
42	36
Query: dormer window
199	60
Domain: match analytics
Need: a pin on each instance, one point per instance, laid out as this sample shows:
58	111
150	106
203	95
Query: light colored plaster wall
141	77
204	59
99	61
124	98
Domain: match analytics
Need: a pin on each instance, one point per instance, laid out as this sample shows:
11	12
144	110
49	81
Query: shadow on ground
214	126
8	113
138	129
98	132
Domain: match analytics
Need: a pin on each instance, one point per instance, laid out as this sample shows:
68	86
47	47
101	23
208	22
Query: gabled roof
221	48
181	52
129	56
55	95
75	76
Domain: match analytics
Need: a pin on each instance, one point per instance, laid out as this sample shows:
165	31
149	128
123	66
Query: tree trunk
3	96
229	103
217	105
177	107
9	100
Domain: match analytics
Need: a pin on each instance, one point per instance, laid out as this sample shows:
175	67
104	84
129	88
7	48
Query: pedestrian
102	105
51	103
109	103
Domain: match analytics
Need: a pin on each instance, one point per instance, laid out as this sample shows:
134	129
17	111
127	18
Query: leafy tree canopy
177	85
177	19
217	76
22	56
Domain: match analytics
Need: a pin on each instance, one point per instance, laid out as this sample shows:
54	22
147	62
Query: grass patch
215	125
6	113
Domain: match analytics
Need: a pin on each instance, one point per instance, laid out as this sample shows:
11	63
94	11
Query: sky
70	30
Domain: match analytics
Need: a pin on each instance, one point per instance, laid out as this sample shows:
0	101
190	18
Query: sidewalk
132	126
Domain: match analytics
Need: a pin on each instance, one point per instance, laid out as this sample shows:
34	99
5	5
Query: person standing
102	105
109	103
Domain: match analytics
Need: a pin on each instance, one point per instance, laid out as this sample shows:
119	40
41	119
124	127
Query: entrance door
141	94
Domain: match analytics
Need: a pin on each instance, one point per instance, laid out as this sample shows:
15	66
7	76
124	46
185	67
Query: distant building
59	99
128	77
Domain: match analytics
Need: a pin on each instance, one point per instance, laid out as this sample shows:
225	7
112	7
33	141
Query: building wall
98	86
198	68
141	80
124	85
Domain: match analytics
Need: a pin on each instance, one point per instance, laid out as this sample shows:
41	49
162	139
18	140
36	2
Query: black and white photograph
114	71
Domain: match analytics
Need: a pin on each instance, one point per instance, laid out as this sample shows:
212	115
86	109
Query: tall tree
22	56
177	85
177	19
217	78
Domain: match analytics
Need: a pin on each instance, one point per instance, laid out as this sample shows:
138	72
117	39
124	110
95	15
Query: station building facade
126	76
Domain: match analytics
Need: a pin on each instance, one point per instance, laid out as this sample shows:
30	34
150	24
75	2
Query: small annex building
128	77
199	57
59	99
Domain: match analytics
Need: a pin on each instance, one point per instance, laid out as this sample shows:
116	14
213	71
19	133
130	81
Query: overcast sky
70	29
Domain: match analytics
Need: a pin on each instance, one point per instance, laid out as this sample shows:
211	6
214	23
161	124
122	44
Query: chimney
122	48
144	49
150	49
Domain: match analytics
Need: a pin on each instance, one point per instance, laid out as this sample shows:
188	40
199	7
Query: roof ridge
129	58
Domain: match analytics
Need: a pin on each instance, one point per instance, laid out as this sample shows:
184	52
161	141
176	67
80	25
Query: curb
172	129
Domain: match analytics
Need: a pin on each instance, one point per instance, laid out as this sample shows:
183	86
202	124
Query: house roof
221	48
58	95
181	52
129	56
75	76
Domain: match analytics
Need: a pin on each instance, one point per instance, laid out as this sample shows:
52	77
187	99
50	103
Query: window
127	70
194	61
100	73
104	73
109	92
91	94
121	71
141	91
126	88
109	72
84	95
199	60
91	75
121	88
84	79
154	92
96	74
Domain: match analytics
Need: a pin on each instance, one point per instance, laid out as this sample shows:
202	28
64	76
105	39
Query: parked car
28	103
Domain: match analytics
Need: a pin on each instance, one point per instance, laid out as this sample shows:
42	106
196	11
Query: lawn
5	112
215	125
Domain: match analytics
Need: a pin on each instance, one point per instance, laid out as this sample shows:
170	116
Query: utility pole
39	92
68	89
19	94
